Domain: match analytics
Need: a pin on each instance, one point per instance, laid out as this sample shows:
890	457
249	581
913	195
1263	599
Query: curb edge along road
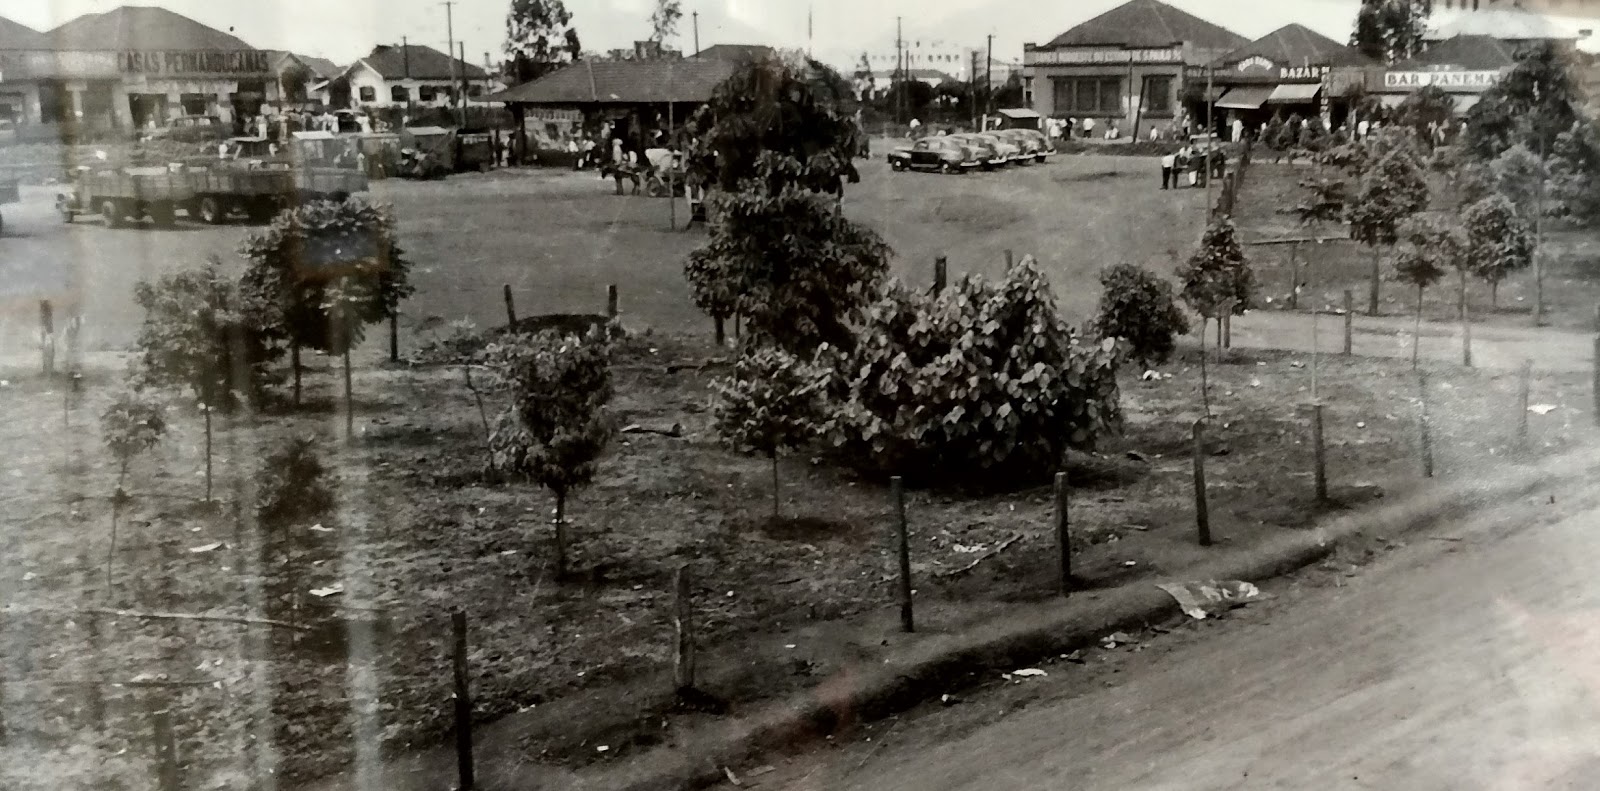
923	669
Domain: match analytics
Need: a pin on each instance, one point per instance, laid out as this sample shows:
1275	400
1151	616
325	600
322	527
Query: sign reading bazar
185	63
1462	80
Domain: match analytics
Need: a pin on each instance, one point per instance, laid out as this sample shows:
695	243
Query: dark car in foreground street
943	154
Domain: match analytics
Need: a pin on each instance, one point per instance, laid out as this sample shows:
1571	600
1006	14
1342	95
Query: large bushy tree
1392	190
540	37
1575	172
1391	30
1499	241
664	20
1532	104
1139	308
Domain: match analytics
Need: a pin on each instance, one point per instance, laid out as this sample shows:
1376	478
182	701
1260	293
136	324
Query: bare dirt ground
1461	661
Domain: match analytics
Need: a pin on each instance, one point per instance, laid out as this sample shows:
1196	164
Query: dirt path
1463	662
1550	349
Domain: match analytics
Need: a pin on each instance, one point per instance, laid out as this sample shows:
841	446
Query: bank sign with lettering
1447	80
201	63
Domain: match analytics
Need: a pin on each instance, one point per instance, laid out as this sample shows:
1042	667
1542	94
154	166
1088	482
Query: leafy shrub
981	383
293	486
1499	241
773	403
201	333
1217	274
557	427
1136	306
131	426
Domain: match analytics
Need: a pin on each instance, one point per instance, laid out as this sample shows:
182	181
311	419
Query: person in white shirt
1088	128
1168	163
1361	129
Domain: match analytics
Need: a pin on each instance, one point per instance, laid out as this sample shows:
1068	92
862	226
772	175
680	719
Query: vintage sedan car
1009	151
193	129
935	153
988	153
1034	143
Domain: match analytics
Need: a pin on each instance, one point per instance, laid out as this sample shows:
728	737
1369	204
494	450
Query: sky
840	30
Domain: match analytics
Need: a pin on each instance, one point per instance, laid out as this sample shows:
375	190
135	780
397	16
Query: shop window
474	90
1027	91
369	94
1158	95
427	93
400	94
1089	95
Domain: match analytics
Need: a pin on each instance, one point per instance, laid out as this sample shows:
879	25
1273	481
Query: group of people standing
1192	161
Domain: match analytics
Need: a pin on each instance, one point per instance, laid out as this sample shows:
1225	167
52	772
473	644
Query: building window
1027	91
1089	95
369	94
474	90
427	93
1158	95
400	94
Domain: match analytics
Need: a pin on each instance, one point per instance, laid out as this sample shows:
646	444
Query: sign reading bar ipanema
180	63
1459	80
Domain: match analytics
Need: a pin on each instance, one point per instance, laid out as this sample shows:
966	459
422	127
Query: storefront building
1281	74
1464	67
1128	68
19	95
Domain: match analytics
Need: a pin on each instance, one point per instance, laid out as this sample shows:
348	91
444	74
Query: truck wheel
261	211
111	213
211	212
163	214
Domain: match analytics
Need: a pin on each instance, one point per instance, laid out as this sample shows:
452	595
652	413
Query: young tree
1391	30
775	143
1499	242
1217	280
202	334
1532	104
772	404
1431	245
293	492
1425	110
556	427
329	270
664	20
1575	172
539	38
132	425
1523	177
1391	191
1138	308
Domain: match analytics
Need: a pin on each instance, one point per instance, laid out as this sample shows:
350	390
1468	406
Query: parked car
988	153
1033	142
193	129
1009	150
936	153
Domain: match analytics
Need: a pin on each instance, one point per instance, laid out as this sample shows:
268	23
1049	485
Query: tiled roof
417	62
141	28
736	52
1148	23
14	35
1507	24
1296	45
322	68
622	82
1473	53
928	74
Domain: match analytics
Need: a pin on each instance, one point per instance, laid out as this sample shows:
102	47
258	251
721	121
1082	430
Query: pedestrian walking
1168	162
1238	130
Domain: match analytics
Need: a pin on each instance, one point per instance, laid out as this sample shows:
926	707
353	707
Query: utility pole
1211	132
972	89
809	30
900	73
696	16
450	50
461	47
988	82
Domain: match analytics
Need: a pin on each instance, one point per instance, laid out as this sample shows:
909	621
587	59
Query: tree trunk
1219	340
208	452
1205	382
561	536
294	363
1494	295
1294	276
776	513
720	331
1466	325
1416	333
349	401
1377	275
111	554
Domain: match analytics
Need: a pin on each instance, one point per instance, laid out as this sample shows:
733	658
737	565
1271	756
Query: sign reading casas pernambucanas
180	63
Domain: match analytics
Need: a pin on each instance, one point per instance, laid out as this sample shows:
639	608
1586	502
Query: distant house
303	79
407	75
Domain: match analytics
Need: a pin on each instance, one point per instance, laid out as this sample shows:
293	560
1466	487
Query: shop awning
1295	94
1248	97
1020	114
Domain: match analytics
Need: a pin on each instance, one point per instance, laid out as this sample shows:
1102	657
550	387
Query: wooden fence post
1202	517
1063	534
47	337
1008	261
941	274
613	304
1321	453
166	748
1349	322
897	490
683	630
1524	392
1597	380
511	308
458	628
394	337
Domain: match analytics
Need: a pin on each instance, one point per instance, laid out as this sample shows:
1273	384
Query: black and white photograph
799	395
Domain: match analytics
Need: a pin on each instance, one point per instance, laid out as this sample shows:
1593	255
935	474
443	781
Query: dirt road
1493	347
1466	661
